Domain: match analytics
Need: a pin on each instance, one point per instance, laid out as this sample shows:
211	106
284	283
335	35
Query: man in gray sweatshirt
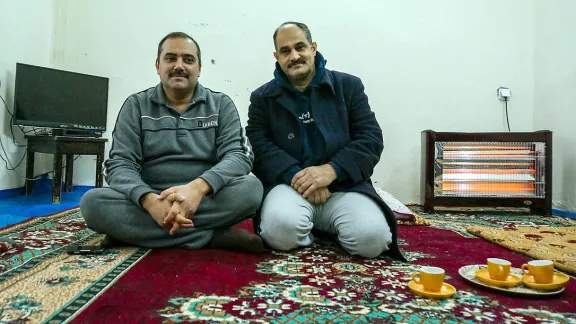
179	165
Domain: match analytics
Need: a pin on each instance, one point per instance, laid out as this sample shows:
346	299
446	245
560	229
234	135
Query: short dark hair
179	35
300	25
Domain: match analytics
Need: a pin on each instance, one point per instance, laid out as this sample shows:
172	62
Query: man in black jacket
316	143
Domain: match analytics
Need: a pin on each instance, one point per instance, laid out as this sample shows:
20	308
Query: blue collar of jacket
158	96
274	88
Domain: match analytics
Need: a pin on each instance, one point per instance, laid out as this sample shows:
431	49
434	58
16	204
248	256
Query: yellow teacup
498	269
431	278
541	270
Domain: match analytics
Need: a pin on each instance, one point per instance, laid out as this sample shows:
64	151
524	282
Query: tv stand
76	132
64	146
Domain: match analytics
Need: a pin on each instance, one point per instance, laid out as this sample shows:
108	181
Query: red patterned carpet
38	282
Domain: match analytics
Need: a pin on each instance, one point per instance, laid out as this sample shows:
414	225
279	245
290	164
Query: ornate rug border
74	307
30	221
27	268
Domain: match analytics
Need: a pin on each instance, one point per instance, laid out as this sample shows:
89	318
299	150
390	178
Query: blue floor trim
39	186
10	193
559	212
16	207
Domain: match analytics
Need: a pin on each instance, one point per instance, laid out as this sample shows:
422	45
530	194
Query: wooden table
64	146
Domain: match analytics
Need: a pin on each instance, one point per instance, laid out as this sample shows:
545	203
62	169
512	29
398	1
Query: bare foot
236	239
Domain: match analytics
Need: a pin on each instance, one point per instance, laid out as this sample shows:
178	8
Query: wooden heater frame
537	205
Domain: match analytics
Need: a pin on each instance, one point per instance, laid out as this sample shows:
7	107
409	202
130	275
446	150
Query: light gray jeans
287	220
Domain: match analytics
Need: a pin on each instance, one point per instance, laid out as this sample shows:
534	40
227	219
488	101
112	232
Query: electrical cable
506	105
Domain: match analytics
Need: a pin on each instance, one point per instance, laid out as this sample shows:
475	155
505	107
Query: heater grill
487	169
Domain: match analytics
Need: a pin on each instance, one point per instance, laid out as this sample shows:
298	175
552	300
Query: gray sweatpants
287	220
110	212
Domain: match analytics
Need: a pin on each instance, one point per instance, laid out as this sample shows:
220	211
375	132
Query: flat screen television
46	97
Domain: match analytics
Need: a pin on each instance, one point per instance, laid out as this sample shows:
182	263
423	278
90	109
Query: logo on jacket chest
306	118
207	123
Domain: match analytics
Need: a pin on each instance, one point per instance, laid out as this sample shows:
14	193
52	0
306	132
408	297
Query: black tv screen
46	97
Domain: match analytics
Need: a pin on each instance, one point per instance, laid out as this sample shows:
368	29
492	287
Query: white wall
555	91
25	35
425	64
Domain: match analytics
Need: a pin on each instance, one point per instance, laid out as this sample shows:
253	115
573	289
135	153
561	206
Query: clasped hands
312	183
174	207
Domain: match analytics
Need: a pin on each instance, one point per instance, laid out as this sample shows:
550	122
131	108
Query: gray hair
300	25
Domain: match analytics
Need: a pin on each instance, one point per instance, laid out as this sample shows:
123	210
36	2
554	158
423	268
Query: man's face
178	65
294	53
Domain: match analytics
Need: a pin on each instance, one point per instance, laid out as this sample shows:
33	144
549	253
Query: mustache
296	62
179	73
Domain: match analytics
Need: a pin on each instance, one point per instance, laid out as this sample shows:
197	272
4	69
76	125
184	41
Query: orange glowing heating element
515	188
461	174
490	171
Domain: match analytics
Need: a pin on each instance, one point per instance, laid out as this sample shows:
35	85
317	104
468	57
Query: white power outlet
503	93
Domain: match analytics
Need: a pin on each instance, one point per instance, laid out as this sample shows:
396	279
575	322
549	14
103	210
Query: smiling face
295	54
178	65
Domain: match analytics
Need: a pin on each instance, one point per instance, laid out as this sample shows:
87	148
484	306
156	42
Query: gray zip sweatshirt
155	147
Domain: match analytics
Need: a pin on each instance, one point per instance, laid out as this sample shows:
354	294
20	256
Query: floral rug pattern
321	285
545	243
458	219
39	282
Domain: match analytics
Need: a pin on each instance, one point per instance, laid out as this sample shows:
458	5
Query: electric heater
487	170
